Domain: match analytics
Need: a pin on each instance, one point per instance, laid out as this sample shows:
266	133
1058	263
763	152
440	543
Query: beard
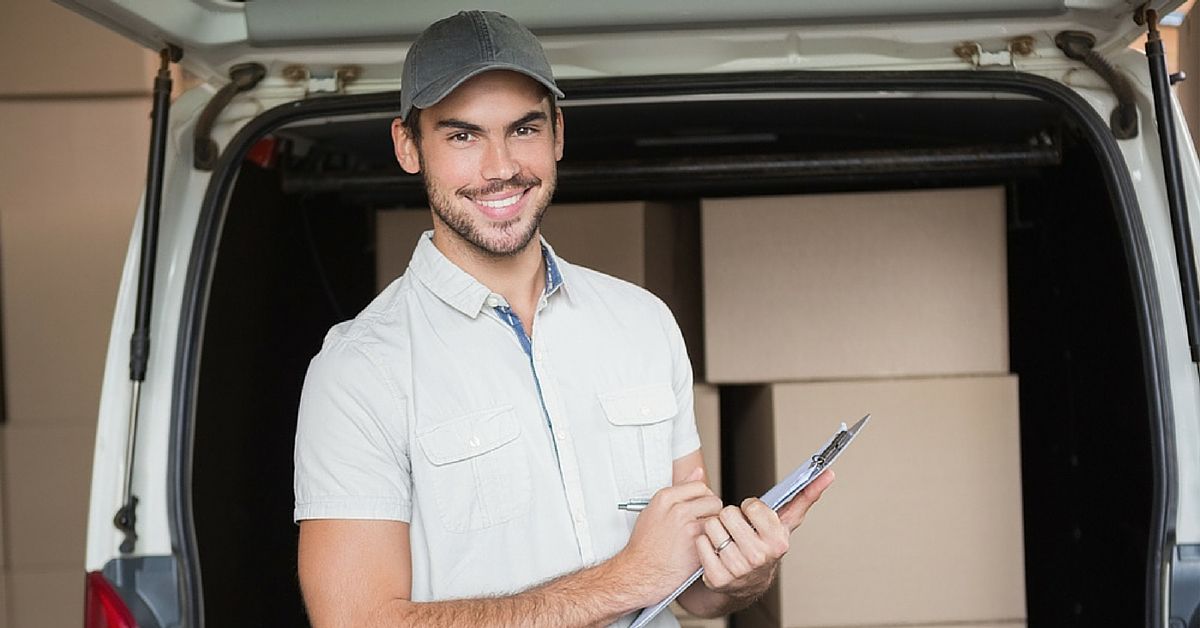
503	239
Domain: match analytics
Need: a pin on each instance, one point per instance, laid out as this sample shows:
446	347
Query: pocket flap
640	406
471	435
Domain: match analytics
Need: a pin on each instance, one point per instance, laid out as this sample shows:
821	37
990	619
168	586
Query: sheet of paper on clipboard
776	498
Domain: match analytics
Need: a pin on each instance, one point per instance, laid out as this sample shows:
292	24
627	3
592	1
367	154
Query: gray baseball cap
461	46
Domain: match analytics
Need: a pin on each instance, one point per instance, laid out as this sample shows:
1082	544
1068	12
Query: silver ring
723	545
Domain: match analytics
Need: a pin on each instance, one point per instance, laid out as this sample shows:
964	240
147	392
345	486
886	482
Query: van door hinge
973	52
325	84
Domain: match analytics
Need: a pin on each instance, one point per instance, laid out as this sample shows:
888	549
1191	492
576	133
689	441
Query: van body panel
216	34
1144	159
182	189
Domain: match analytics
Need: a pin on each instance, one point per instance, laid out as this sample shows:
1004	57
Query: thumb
792	515
696	475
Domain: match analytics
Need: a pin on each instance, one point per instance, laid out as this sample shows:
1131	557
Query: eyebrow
532	116
462	125
454	123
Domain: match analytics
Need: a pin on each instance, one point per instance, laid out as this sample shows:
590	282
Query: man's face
488	153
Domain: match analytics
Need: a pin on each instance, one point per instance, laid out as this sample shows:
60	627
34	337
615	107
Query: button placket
568	466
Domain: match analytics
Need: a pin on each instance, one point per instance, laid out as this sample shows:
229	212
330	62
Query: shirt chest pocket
640	435
478	474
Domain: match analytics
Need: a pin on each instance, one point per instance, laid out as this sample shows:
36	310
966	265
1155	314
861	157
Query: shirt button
492	301
645	411
474	442
579	519
561	436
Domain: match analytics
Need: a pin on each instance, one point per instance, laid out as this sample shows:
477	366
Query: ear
558	134
406	148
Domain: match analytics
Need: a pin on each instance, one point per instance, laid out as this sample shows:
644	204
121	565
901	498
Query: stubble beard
509	242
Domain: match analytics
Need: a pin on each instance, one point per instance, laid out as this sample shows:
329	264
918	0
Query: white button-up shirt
507	454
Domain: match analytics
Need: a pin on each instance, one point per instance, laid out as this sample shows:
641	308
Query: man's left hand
751	540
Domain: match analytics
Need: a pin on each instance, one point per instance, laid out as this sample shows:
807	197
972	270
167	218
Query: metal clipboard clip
835	447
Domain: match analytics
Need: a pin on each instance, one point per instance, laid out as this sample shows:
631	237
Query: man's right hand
661	552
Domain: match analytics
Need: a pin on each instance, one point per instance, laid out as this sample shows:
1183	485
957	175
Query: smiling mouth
504	208
501	203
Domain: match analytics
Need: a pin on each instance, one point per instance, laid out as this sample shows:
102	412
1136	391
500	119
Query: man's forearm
596	596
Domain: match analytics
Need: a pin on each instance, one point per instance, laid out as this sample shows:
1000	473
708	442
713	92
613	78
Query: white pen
637	504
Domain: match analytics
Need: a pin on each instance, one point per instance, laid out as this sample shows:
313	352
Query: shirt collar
459	289
554	278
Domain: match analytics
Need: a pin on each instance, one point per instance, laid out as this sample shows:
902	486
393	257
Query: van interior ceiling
296	255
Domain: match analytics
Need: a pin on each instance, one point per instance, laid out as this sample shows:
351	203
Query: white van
274	167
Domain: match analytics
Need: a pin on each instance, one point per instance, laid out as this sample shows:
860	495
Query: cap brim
436	91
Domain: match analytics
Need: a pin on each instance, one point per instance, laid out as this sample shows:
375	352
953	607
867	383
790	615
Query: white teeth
502	203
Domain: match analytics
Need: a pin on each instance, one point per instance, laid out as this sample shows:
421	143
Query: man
464	442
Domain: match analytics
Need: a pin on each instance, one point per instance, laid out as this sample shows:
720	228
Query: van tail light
104	607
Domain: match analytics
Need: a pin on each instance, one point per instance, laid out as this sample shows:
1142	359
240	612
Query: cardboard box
708	423
924	523
46	510
3	519
73	55
754	617
653	245
94	169
46	598
855	285
60	275
3	600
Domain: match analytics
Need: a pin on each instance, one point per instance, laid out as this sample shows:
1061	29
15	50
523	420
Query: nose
498	162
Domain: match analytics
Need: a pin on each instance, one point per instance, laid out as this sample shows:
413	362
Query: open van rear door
214	34
305	47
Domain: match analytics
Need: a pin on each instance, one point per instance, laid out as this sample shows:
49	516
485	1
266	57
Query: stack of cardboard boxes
818	310
75	132
893	304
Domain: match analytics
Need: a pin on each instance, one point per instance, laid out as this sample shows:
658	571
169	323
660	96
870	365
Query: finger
729	552
716	532
734	559
716	574
683	492
762	518
793	513
750	546
698	508
771	531
697	475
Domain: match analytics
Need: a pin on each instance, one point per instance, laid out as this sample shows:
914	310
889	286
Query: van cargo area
289	248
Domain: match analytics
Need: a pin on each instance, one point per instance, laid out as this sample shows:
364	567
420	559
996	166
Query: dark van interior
291	252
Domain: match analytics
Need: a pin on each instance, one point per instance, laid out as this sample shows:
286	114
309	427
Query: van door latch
973	52
335	84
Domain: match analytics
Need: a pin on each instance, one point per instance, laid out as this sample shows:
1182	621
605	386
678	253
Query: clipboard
776	498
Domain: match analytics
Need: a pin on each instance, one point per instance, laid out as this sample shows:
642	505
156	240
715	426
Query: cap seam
485	41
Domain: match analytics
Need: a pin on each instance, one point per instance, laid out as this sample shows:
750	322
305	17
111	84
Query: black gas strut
139	345
1181	228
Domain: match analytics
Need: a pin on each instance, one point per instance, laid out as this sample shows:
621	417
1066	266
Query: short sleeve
684	437
351	451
